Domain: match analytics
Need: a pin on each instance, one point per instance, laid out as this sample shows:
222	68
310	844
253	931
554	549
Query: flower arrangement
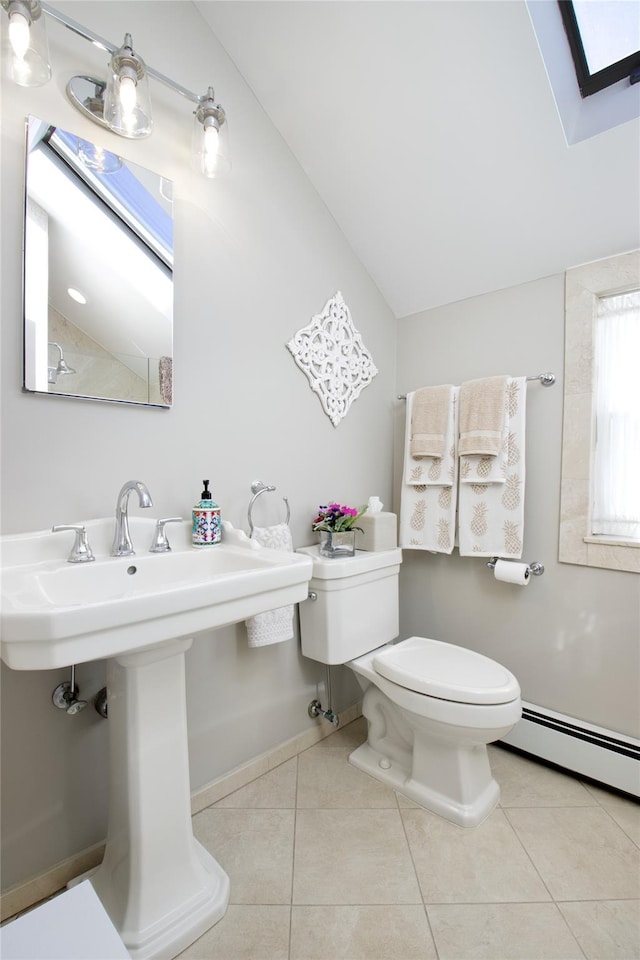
337	518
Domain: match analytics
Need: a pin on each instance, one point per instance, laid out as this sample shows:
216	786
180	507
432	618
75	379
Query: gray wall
257	255
571	636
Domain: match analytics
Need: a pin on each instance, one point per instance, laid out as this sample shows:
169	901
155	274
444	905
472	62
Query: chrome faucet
122	545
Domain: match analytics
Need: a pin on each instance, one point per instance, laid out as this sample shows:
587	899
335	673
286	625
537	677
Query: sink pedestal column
160	887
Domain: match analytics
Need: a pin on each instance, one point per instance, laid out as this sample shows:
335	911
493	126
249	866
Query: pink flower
337	517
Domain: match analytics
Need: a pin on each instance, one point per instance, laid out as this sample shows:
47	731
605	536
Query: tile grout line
293	854
568	927
505	811
415	870
618	825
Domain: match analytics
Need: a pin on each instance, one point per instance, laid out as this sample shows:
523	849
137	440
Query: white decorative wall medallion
331	353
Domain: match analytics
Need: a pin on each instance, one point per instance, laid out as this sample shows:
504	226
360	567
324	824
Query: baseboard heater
602	755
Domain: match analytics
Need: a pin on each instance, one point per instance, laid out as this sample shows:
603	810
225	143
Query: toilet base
431	750
395	775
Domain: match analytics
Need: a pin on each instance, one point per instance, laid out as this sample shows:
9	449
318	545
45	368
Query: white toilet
431	707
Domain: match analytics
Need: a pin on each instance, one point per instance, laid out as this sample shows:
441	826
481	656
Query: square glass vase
337	544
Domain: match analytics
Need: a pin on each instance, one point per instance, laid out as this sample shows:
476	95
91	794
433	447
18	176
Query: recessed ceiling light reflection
76	295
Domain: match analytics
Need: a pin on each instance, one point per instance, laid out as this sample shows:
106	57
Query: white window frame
583	287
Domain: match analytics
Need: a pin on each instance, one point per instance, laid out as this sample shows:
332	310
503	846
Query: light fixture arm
81	31
112	48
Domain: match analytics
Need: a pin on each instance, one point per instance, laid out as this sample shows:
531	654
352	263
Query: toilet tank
356	607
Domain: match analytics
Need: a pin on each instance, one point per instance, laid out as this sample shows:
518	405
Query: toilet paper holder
535	569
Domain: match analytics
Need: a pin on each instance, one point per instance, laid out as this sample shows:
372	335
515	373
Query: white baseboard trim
606	756
24	896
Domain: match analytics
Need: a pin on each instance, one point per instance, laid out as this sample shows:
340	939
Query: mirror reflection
98	273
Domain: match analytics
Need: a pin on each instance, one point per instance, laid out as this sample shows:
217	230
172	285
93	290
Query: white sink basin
56	613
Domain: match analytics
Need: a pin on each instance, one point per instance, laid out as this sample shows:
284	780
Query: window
604	36
616	454
594	462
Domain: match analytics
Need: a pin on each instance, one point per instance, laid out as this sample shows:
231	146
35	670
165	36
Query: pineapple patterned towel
428	496
491	503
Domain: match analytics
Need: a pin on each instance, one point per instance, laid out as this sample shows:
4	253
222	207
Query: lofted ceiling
429	129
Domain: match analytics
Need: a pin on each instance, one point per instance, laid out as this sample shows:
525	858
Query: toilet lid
445	671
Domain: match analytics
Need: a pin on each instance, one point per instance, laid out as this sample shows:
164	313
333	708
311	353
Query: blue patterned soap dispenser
207	527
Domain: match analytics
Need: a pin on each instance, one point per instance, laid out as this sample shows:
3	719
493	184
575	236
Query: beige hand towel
482	415
429	417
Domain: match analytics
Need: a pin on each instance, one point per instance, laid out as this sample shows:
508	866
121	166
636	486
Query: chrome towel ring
257	489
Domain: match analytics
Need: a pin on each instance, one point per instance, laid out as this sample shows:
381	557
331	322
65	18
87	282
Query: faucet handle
160	544
81	551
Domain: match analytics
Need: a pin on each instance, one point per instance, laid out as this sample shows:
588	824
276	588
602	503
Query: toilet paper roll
511	572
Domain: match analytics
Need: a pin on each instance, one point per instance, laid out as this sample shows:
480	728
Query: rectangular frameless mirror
98	273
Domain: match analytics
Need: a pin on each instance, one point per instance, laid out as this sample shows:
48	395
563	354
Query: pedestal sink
160	887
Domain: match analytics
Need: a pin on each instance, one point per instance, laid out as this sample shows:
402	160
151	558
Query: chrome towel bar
546	379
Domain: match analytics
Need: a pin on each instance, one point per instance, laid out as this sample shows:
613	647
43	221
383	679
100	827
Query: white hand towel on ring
273	626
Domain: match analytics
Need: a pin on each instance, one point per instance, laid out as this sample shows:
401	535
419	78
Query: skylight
609	31
604	36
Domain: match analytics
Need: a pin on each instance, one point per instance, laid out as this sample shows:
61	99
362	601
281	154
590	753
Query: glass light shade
26	52
127	102
210	149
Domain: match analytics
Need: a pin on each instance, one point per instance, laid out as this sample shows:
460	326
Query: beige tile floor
328	864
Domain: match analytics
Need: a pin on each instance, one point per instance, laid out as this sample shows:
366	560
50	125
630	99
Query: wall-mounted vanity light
27	57
208	147
127	105
122	102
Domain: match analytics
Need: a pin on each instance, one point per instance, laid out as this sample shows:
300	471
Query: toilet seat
447	672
